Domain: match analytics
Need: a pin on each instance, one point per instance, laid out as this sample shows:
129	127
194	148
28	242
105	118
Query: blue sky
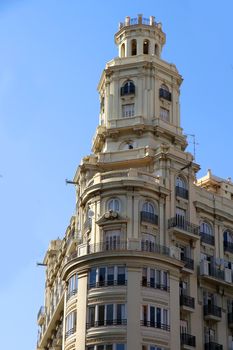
52	53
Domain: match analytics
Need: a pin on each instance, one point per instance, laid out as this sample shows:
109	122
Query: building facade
146	262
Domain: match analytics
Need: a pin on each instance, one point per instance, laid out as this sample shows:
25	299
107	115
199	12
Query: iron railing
70	332
188	339
153	284
108	283
71	293
217	273
106	323
207	238
151	247
154	324
228	246
188	262
149	217
188	301
213	346
41	312
182	192
180	222
212	310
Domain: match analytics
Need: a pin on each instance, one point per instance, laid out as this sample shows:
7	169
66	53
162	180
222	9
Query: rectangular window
120	275
109	319
128	110
158	278
152	278
101	315
152	316
110	276
158	317
144	310
102	276
120	313
109	347
144	276
120	347
92	277
91	316
164	114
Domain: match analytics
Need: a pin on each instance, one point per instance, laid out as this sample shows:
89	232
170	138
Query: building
146	263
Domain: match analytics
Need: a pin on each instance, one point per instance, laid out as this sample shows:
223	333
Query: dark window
128	88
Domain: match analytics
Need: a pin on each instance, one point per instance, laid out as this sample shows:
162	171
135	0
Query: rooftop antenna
195	143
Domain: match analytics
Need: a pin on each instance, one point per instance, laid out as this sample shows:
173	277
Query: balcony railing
154	324
165	94
71	293
111	283
149	217
152	284
186	300
188	339
207	238
147	246
212	310
107	323
70	332
189	263
213	346
41	312
182	192
228	246
217	273
179	222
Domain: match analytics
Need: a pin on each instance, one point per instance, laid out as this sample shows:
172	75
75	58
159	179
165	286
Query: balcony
110	283
230	320
187	340
183	228
149	217
151	247
107	323
228	246
187	303
207	238
165	94
182	192
212	312
41	316
219	274
71	293
213	346
154	324
188	262
70	332
153	284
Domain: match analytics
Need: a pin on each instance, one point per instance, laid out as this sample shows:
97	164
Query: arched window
148	213
181	187
180	182
165	93
228	241
128	88
206	232
123	50
148	242
114	204
148	207
156	50
133	47
146	44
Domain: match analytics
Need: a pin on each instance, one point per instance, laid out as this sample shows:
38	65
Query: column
133	308
174	311
81	311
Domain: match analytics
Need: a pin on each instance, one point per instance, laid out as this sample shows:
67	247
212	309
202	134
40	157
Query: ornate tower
125	275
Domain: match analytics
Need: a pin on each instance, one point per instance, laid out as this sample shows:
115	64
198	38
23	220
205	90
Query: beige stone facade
147	261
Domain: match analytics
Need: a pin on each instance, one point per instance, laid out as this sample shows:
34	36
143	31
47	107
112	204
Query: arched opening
146	47
134	47
114	204
123	50
156	50
128	88
148	213
206	233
